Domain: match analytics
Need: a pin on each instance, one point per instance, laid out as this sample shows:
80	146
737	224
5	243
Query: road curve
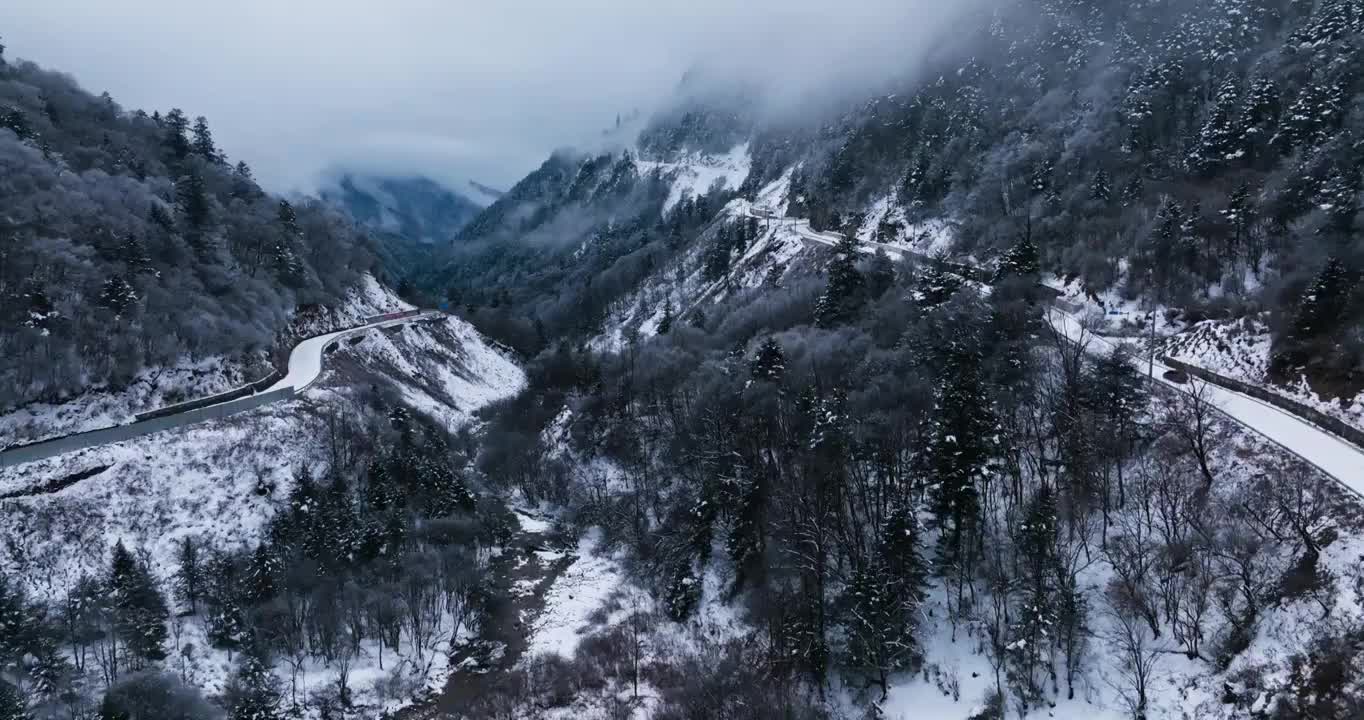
305	366
305	360
1324	450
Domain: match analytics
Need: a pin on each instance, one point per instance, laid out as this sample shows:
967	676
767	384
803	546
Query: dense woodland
383	555
130	241
1203	155
838	444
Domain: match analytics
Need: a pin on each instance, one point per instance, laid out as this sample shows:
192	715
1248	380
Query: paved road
305	366
1326	451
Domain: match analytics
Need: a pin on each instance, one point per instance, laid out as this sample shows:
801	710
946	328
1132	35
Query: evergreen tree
254	693
844	292
117	294
880	274
960	450
176	126
717	256
1102	188
1034	626
262	575
282	256
189	578
1238	217
1339	199
140	609
13	706
202	144
1314	115
936	286
1132	191
1020	261
1323	304
226	613
1319	313
1259	120
1218	144
133	254
192	194
883	601
697	319
243	182
769	364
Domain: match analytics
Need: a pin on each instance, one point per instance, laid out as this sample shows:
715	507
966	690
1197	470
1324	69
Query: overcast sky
449	88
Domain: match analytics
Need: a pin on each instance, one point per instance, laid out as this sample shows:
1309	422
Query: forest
135	228
869	457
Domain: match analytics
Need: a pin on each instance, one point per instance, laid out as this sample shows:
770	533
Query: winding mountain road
1324	450
305	367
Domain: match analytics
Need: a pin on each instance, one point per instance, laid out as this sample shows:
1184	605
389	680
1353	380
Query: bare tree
1192	419
1136	657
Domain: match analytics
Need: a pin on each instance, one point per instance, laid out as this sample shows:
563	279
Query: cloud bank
448	88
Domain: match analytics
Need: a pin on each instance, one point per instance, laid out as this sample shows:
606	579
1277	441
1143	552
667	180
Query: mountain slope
408	215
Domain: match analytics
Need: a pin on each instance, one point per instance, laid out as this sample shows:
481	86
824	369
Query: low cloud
455	90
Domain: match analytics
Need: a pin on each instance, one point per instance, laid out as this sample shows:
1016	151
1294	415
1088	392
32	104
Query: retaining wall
120	433
1333	425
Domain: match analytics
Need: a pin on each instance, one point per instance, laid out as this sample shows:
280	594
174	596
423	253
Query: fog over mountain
449	90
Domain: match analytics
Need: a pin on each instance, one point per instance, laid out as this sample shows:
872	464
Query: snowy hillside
221	483
191	378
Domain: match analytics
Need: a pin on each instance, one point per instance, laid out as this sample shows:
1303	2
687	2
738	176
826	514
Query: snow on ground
192	378
152	388
221	481
441	368
887	226
695	174
1332	455
574	596
1240	350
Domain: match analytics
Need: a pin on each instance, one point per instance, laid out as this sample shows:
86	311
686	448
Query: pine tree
192	195
1320	312
1314	115
717	256
683	591
1218	144
1102	188
1238	216
697	319
282	256
243	182
13	706
189	578
883	601
254	693
140	609
262	575
769	364
226	614
1259	120
133	254
1338	197
202	144
117	294
1323	303
1034	626
1132	191
1020	261
176	125
960	450
935	286
844	292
